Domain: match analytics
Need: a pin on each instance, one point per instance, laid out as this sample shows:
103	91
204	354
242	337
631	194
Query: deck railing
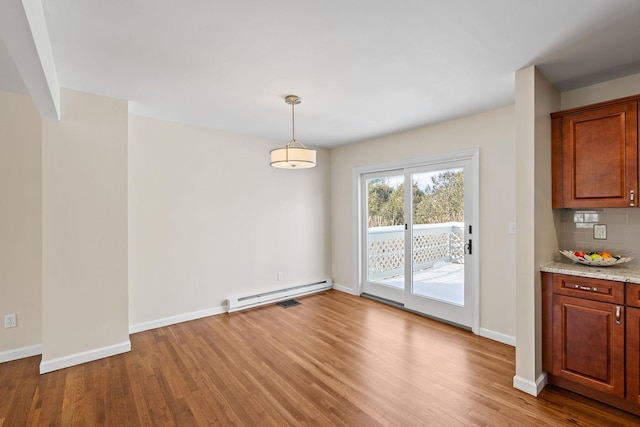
431	243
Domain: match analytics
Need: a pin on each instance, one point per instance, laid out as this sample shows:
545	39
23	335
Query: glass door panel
438	235
438	238
384	232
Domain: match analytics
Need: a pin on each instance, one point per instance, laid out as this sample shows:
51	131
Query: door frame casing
472	155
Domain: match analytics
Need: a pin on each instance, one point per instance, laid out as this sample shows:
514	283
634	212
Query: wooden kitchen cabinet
633	354
595	155
588	344
633	342
591	338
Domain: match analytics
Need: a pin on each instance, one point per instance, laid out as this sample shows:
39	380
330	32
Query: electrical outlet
600	231
280	275
10	320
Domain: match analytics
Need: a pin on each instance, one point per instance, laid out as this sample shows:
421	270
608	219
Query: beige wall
537	240
525	263
84	227
493	133
619	88
209	219
20	229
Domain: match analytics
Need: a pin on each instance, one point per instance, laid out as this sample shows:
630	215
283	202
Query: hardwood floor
335	359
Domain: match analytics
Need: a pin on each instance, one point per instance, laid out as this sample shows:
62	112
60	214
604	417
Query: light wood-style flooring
335	359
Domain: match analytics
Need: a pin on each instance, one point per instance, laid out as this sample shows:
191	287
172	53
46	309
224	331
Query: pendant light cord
293	100
293	121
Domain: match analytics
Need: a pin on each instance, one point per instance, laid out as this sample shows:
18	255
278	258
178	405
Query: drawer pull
618	309
585	288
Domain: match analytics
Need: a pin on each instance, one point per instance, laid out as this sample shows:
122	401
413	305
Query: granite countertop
620	273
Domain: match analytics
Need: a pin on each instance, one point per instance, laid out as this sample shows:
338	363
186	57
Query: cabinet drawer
633	295
588	288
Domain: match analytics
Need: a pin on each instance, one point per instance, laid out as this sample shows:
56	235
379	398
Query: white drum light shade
295	155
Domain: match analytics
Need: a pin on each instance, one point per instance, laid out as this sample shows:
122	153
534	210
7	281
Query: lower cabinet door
589	343
633	354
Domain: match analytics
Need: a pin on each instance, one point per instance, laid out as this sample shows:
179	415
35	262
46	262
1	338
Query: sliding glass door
417	231
439	237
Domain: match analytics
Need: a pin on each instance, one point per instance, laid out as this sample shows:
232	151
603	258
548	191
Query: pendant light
295	155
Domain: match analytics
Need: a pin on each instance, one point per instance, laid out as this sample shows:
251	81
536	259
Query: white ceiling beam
24	32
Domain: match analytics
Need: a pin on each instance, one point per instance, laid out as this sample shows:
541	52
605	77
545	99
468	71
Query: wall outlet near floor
600	231
280	275
10	320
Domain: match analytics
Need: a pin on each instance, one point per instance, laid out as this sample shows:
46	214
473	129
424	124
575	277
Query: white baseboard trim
497	336
265	297
20	353
530	387
345	289
172	320
84	357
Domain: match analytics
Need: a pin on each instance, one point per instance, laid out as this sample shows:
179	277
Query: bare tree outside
442	201
436	202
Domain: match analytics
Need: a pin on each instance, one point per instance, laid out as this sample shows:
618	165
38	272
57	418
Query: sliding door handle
468	248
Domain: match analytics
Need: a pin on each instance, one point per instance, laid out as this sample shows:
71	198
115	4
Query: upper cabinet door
596	158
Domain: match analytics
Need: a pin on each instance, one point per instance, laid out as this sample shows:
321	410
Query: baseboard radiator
250	301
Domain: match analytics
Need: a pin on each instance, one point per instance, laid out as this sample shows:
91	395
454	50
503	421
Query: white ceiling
362	68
